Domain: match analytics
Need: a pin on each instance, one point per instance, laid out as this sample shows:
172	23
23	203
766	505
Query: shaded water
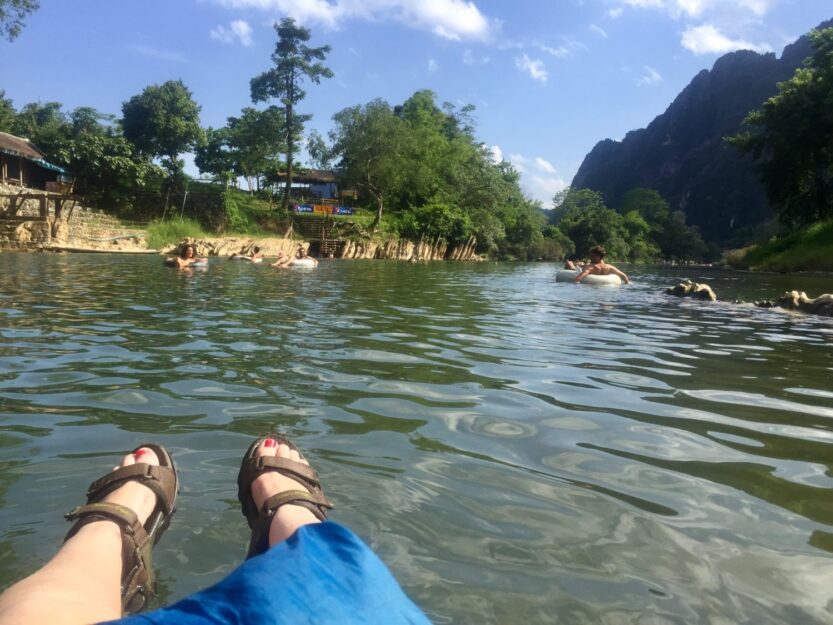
516	450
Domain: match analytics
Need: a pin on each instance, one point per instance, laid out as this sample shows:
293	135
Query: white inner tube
569	275
303	262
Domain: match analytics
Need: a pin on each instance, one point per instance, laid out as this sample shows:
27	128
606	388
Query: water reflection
516	450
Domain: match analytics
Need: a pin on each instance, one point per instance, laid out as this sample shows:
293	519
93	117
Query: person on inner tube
598	267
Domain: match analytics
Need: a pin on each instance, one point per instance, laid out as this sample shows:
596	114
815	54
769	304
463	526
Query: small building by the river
23	164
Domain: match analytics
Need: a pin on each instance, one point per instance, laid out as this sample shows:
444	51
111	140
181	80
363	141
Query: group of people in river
187	257
595	266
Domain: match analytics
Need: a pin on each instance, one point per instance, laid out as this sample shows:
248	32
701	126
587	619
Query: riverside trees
295	62
422	166
163	121
791	138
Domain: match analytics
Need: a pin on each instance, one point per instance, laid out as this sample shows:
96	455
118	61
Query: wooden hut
23	164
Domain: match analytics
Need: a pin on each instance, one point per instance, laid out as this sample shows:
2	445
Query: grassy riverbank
809	249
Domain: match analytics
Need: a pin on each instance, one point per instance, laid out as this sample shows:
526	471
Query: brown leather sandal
252	466
137	539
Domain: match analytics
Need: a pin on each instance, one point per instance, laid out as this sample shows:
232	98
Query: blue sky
548	79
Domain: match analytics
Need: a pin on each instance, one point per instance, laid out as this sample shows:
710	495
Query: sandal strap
311	501
161	480
136	547
290	468
105	511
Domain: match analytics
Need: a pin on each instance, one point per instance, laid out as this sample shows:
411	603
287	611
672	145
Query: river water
516	450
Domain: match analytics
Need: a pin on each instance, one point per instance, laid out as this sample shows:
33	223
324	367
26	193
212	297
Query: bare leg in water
82	583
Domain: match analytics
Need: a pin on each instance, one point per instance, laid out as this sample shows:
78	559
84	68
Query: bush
169	232
808	249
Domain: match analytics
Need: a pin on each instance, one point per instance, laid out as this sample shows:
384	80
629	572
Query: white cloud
650	77
538	186
432	66
534	67
497	153
543	188
707	39
699	8
469	58
614	13
544	165
519	162
560	52
156	53
598	30
450	19
238	30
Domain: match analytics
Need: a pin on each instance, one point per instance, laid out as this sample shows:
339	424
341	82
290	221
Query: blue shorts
323	573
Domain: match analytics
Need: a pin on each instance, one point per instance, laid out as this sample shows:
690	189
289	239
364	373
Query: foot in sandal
279	492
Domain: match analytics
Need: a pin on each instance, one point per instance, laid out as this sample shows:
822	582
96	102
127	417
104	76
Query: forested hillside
683	156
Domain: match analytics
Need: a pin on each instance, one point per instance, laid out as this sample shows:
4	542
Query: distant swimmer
299	260
187	257
598	267
254	256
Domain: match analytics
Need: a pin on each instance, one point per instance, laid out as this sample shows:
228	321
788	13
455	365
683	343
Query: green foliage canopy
163	121
12	14
295	62
791	138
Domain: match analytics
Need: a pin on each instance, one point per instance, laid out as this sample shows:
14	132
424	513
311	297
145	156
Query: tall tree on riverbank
163	121
12	14
791	137
370	141
295	62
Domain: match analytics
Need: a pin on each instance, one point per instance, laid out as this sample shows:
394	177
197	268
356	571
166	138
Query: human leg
82	582
312	571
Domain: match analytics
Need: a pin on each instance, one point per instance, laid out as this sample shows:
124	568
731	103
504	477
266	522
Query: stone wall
78	228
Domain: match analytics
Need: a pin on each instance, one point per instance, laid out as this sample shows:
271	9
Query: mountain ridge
682	155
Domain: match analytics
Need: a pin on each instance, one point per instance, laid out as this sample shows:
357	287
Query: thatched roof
17	146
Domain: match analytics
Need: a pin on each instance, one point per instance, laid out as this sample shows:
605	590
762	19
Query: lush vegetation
642	228
791	139
419	167
809	248
295	62
170	231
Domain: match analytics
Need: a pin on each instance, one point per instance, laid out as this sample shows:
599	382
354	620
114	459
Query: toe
144	455
268	447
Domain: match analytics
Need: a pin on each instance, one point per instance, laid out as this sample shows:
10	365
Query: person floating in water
254	256
598	267
187	256
299	569
300	255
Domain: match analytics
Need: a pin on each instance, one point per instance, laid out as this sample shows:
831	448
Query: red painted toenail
140	452
270	442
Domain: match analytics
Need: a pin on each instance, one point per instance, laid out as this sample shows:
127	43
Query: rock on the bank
695	290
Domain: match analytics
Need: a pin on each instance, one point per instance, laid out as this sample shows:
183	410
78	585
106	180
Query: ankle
287	520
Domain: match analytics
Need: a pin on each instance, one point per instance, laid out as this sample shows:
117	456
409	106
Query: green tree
294	62
583	216
214	155
256	141
680	241
163	121
370	143
12	14
791	138
8	115
45	124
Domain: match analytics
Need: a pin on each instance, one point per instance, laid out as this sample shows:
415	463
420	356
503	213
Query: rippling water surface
516	450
